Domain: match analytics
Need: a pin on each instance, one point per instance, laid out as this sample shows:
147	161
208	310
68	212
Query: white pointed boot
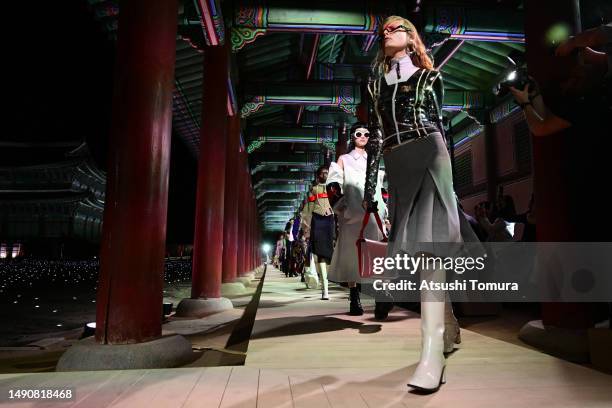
429	374
323	279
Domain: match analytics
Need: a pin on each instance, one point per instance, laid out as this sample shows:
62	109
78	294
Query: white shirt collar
406	68
401	60
356	155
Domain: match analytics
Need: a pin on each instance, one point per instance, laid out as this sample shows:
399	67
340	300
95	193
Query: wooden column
129	298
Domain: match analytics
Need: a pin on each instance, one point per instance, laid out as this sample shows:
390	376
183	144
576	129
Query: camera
515	76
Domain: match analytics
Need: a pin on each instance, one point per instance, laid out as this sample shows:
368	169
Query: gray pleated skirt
422	206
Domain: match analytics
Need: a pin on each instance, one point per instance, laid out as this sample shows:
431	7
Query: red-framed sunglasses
395	29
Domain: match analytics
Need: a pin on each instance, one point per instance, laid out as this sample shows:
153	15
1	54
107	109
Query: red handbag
368	249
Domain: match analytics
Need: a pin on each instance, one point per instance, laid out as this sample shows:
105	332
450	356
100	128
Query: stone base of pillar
165	352
260	271
233	289
246	280
202	307
572	345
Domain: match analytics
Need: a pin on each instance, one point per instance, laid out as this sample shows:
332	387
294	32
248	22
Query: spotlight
89	330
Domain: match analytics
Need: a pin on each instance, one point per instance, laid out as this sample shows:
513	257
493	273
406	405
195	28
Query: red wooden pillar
258	247
253	234
259	259
241	241
249	226
208	238
247	229
253	240
550	153
258	244
230	228
129	297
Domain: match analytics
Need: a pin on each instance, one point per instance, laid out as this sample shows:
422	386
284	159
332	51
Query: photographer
583	100
541	121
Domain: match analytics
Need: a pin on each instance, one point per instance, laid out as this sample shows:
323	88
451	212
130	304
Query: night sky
61	90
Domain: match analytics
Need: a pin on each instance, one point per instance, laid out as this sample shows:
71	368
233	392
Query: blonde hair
415	48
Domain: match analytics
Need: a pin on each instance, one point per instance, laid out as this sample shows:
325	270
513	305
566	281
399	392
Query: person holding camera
541	121
580	102
584	97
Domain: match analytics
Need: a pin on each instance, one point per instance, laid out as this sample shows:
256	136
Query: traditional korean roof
298	69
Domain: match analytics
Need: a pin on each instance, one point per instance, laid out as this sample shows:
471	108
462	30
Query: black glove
334	193
372	206
374	150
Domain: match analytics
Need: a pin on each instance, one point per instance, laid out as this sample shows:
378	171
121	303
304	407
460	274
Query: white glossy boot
429	374
323	279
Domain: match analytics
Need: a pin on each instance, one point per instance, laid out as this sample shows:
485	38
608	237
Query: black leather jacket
402	111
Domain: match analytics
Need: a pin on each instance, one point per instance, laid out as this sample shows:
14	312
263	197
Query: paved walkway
305	352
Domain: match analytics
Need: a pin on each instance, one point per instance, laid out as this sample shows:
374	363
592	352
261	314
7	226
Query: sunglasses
399	28
362	134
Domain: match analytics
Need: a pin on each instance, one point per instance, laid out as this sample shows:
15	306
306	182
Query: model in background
318	224
347	180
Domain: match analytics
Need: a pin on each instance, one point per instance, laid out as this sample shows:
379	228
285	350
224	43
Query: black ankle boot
383	306
355	306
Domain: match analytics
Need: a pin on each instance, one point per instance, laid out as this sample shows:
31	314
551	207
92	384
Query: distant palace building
46	207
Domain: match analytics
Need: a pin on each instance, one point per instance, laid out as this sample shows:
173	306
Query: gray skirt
423	209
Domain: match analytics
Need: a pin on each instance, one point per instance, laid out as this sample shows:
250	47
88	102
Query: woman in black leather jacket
406	129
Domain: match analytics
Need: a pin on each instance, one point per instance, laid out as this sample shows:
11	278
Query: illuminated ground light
89	330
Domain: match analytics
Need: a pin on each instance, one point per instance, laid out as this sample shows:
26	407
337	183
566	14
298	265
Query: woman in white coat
348	176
